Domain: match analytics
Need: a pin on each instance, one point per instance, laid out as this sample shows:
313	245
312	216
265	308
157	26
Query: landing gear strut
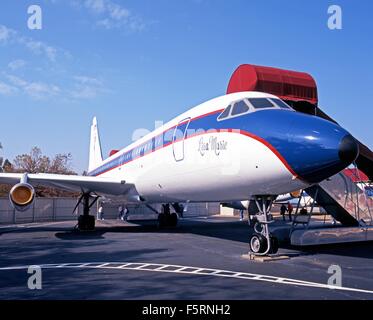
166	218
262	242
86	222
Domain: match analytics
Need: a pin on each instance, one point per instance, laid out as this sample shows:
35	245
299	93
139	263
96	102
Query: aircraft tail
95	154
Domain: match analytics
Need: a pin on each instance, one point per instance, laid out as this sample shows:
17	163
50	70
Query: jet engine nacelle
22	196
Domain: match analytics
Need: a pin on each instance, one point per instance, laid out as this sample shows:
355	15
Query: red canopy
286	84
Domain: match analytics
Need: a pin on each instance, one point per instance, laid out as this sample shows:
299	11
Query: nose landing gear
262	242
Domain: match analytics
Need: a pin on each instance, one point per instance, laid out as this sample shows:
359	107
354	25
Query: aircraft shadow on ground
226	230
64	253
233	231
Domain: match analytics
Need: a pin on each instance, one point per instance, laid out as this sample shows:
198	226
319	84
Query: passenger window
225	113
240	107
281	104
261	103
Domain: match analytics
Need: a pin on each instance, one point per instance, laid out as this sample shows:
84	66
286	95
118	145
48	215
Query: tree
36	162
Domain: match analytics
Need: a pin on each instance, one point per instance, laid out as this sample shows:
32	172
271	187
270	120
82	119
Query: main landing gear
86	222
166	218
262	242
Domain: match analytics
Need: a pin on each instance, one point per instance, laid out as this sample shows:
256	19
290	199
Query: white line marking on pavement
102	265
197	270
169	268
162	267
142	266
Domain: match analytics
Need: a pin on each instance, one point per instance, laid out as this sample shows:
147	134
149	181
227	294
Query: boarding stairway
347	202
344	200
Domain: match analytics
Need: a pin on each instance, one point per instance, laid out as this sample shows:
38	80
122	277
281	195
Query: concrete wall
43	209
137	212
60	209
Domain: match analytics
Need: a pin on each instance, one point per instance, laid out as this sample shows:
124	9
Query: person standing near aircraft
290	210
100	213
120	212
283	211
241	215
125	213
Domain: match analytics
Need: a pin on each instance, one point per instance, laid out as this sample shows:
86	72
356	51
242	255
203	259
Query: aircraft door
178	139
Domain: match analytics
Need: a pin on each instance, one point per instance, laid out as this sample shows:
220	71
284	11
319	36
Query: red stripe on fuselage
245	133
272	148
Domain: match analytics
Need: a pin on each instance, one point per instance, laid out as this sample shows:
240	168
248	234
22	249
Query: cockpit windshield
239	108
261	103
225	113
249	105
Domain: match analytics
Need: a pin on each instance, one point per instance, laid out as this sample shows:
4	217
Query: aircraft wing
100	185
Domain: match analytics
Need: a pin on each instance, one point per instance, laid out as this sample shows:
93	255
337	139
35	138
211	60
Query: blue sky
133	62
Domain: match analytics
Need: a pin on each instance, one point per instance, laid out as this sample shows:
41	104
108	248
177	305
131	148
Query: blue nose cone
317	148
313	148
310	147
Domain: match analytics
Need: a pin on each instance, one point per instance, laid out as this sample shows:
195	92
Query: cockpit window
247	105
261	103
240	107
225	113
281	103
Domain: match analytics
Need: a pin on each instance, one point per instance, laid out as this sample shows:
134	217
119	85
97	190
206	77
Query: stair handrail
364	184
349	196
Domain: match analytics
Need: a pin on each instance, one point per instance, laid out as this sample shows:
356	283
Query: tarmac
202	258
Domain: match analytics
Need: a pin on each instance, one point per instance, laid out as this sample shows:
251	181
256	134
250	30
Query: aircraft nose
319	148
311	148
316	149
348	149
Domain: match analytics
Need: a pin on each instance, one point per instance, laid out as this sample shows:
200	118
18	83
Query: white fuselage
206	165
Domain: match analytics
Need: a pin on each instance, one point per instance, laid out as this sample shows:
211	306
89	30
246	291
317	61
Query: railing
350	197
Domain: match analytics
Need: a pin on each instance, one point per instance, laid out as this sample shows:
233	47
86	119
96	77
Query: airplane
240	146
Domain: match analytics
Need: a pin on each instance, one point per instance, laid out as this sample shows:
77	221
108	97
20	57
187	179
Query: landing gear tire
167	220
262	242
86	223
258	243
274	244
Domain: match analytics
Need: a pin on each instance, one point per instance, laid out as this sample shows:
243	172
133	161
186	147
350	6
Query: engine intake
21	196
